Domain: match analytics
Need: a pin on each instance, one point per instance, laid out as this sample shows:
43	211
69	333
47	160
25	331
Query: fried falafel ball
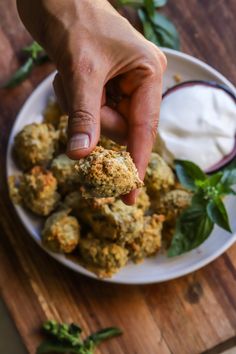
113	220
63	170
172	203
61	232
62	129
143	200
75	202
149	241
107	173
102	257
13	188
35	144
109	144
37	189
159	176
52	113
85	209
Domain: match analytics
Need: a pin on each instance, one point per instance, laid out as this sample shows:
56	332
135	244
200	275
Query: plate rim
78	268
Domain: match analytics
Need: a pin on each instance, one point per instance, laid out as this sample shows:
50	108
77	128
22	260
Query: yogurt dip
198	123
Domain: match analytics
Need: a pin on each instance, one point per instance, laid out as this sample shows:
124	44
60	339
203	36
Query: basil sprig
157	28
66	338
35	55
195	223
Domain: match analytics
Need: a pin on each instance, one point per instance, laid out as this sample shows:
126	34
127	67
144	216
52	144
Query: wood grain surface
192	315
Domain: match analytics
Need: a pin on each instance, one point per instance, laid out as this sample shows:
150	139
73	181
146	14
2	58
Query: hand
109	76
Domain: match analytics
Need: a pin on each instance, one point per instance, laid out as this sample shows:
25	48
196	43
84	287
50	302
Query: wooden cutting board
191	315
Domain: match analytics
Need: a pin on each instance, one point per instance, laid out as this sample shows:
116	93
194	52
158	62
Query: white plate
159	268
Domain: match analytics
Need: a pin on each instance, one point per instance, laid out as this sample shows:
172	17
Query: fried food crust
52	113
37	189
34	145
159	176
63	170
149	241
172	203
62	129
107	173
101	256
61	232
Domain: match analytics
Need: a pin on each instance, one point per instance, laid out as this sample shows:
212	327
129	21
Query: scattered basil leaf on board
150	7
196	222
34	49
157	28
132	3
142	3
165	29
66	338
35	56
21	74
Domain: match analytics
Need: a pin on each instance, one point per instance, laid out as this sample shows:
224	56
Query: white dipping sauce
198	123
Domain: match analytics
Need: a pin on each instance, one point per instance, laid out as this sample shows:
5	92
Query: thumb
84	95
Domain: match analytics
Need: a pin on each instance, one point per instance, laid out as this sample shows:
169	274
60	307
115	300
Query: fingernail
79	142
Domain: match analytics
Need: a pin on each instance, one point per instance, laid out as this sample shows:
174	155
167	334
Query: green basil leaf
132	3
160	3
229	177
214	179
34	49
102	335
225	190
190	234
50	347
41	59
231	165
148	30
218	214
150	7
165	39
21	74
166	28
75	330
141	3
188	173
199	199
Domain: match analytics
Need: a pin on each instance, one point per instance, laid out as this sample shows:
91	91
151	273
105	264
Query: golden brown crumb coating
109	144
61	232
107	173
143	200
52	113
113	220
35	144
159	176
75	201
63	170
13	186
62	129
102	257
172	203
37	189
149	241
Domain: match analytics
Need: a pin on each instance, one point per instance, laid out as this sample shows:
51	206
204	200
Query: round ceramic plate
159	268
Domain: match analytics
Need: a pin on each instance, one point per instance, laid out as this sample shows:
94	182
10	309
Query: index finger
143	121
